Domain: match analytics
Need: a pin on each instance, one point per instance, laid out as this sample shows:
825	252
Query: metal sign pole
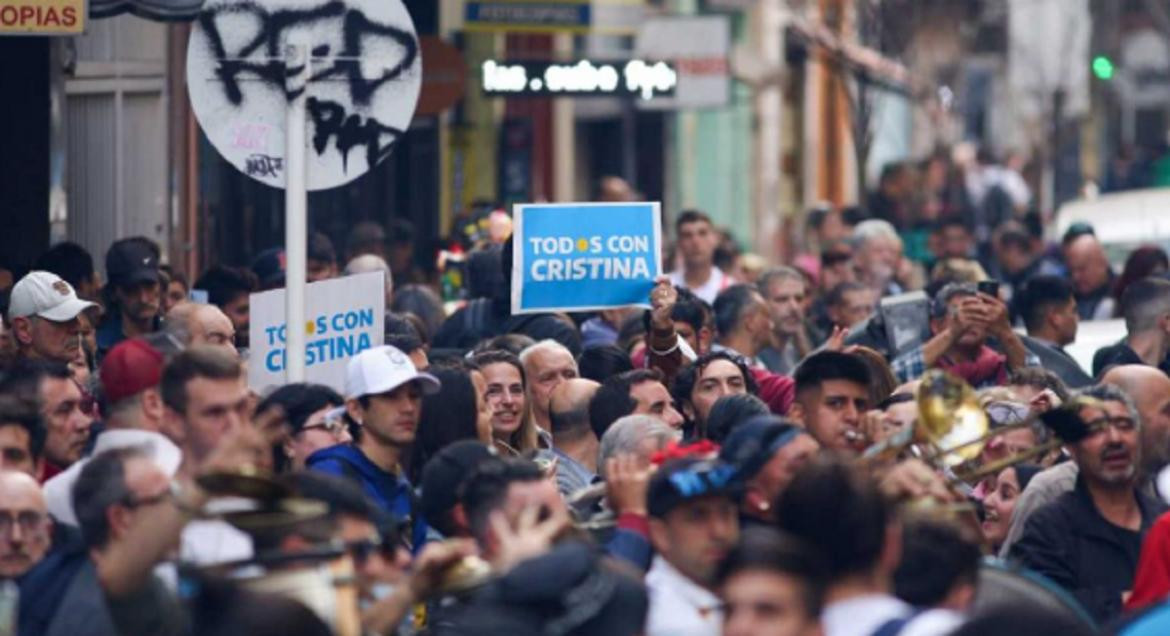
297	65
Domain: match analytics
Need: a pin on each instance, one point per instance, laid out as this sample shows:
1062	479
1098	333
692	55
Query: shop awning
162	10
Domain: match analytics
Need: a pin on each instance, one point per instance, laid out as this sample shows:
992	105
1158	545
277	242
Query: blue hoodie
390	492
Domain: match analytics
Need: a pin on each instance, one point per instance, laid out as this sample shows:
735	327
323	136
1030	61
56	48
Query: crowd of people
764	451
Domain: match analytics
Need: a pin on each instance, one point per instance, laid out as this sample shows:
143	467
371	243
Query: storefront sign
698	47
583	78
344	316
42	17
584	256
611	17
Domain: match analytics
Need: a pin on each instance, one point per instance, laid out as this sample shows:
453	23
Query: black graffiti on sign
350	130
263	165
265	45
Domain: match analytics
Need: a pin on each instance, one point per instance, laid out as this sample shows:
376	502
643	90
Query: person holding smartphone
964	318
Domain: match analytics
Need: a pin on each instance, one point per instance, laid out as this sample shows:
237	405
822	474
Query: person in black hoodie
489	313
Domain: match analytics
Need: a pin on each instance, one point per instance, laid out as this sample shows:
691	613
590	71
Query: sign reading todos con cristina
584	256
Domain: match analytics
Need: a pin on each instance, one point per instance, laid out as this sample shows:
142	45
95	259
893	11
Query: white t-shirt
863	615
679	606
717	282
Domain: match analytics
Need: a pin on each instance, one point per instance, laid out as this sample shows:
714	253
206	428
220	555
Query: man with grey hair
1089	539
201	324
785	290
877	255
1146	305
546	364
962	319
637	435
366	263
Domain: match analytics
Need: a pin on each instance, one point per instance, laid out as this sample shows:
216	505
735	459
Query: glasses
332	426
1122	423
362	550
141	502
28	520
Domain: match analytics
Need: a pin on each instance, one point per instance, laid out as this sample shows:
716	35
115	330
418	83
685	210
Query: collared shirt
863	615
678	605
912	364
162	451
717	282
571	474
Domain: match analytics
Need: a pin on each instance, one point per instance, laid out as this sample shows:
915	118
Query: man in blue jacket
383	392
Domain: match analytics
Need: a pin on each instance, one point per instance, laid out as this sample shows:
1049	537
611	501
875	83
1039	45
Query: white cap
46	295
383	369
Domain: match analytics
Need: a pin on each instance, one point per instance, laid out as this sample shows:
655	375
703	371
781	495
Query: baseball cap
130	368
682	480
383	369
444	474
45	295
753	444
132	260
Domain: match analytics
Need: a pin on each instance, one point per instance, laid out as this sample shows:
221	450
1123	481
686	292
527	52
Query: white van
1122	221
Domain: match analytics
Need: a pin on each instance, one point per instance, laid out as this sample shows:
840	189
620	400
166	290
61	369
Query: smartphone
989	287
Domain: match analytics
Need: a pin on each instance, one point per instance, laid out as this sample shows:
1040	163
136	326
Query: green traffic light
1103	68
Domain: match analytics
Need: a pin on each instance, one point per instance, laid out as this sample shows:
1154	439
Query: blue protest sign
584	256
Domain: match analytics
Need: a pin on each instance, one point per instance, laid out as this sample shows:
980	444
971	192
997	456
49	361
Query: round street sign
365	79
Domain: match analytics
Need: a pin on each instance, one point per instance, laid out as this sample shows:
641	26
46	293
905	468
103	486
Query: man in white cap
383	393
43	312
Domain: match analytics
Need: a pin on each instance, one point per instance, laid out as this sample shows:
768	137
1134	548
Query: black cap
269	267
682	480
444	474
753	444
320	248
132	260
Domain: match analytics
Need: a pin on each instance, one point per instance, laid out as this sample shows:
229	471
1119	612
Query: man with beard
786	292
134	293
962	319
1089	540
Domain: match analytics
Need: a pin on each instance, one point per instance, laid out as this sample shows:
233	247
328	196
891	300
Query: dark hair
631	331
688	376
401	333
830	365
948	222
600	362
691	216
837	509
23	379
935	558
447	416
68	260
15	411
101	484
1040	377
1142	262
730	411
421	301
343	496
486	488
612	400
224	284
836	295
1143	302
298	401
730	306
213	363
401	232
762	549
1038	296
689	308
1013	234
882	381
320	248
484	275
512	343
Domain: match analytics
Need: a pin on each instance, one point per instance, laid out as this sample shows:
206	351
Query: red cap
130	368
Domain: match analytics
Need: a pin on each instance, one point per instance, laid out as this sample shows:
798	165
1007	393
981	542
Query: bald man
203	325
1092	279
1149	389
574	443
25	527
